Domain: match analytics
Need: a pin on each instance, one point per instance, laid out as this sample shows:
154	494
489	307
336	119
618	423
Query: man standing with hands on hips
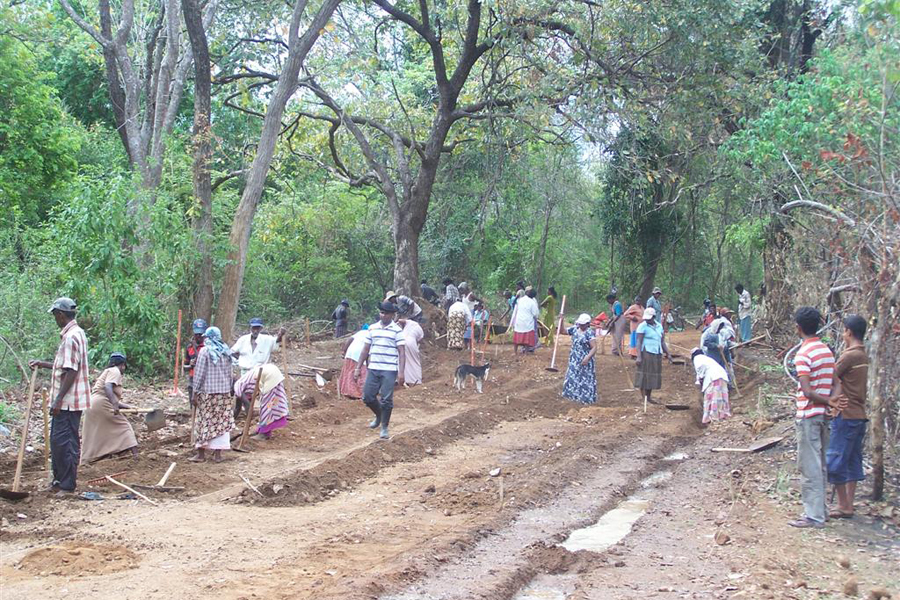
385	347
70	395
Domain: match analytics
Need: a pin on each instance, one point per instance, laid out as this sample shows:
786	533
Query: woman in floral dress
581	376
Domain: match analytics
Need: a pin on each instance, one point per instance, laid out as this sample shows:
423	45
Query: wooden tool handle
253	398
18	476
562	309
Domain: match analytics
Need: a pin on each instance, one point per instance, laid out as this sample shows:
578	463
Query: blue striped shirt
383	342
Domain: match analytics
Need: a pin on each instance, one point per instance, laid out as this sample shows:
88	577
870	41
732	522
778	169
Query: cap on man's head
389	295
64	304
256	322
199	326
387	307
656	290
345	302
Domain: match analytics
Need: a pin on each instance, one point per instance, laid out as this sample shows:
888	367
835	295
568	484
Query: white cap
649	313
583	319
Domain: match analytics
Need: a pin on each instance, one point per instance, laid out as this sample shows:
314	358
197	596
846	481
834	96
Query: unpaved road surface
340	514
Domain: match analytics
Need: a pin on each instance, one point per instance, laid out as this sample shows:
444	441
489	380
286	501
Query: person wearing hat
190	354
106	430
340	316
384	348
581	375
70	395
713	382
654	302
651	343
254	349
406	306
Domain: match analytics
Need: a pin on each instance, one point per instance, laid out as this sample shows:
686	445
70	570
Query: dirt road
340	514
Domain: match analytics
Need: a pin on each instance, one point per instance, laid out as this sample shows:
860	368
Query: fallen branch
250	485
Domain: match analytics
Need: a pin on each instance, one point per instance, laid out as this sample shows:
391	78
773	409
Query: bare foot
197	458
217	456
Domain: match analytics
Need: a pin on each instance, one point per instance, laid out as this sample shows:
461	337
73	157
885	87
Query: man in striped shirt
384	347
70	394
814	363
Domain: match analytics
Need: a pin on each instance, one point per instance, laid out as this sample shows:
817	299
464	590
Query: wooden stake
175	390
472	342
562	309
46	406
287	391
132	490
308	339
18	476
246	433
165	477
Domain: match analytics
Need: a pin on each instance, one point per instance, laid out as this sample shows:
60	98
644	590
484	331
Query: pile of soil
77	560
435	324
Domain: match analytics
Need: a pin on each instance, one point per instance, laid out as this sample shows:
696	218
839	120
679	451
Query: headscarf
214	344
116	359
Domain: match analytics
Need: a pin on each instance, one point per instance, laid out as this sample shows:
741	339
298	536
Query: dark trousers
380	382
65	448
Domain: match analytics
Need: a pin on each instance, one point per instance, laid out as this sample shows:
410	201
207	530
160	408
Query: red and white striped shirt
72	354
815	360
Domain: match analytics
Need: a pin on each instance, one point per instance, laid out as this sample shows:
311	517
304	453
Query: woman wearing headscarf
107	431
214	419
581	376
458	318
353	347
273	406
713	382
412	332
634	315
548	314
651	341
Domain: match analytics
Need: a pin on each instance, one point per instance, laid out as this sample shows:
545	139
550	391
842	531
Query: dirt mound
77	560
435	320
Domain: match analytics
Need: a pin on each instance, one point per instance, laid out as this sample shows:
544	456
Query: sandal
839	514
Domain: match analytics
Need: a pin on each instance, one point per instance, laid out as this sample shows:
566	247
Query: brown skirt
649	375
104	431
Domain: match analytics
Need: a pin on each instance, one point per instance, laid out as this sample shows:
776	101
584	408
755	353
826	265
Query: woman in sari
458	318
634	315
353	347
213	418
581	375
273	406
713	382
413	334
548	315
651	340
106	430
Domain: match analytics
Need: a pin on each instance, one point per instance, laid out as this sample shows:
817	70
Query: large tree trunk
116	93
226	313
544	235
652	256
406	258
203	292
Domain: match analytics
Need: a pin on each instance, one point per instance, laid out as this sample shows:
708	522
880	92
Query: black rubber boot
385	421
375	408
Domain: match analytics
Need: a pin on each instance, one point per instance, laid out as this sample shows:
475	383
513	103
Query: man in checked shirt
70	394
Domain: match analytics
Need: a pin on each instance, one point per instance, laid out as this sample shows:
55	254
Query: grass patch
8	413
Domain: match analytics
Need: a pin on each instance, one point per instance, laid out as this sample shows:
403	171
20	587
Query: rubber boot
375	408
385	421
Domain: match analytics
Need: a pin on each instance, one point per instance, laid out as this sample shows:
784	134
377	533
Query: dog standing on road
479	373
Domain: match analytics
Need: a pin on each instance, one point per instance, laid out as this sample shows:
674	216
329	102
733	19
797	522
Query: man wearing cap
653	302
190	354
254	349
406	306
340	316
385	347
70	394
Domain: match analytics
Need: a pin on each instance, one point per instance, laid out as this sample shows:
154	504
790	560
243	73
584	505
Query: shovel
14	493
552	368
154	418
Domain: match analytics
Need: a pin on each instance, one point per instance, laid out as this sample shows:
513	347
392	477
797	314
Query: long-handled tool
45	403
562	309
246	434
154	418
15	494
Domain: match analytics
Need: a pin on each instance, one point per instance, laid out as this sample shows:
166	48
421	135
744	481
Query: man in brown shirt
848	428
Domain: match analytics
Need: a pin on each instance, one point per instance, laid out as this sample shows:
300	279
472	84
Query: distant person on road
581	375
651	340
451	293
848	428
654	302
341	315
70	395
814	364
384	347
428	293
635	316
481	317
190	354
713	381
458	319
744	313
548	314
617	322
213	420
709	315
510	302
106	431
524	323
272	398
255	348
353	347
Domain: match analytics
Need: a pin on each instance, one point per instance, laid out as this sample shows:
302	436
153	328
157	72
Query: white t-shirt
384	341
250	358
356	346
708	370
527	311
744	304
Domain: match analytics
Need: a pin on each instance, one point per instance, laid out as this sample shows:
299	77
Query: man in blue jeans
385	349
